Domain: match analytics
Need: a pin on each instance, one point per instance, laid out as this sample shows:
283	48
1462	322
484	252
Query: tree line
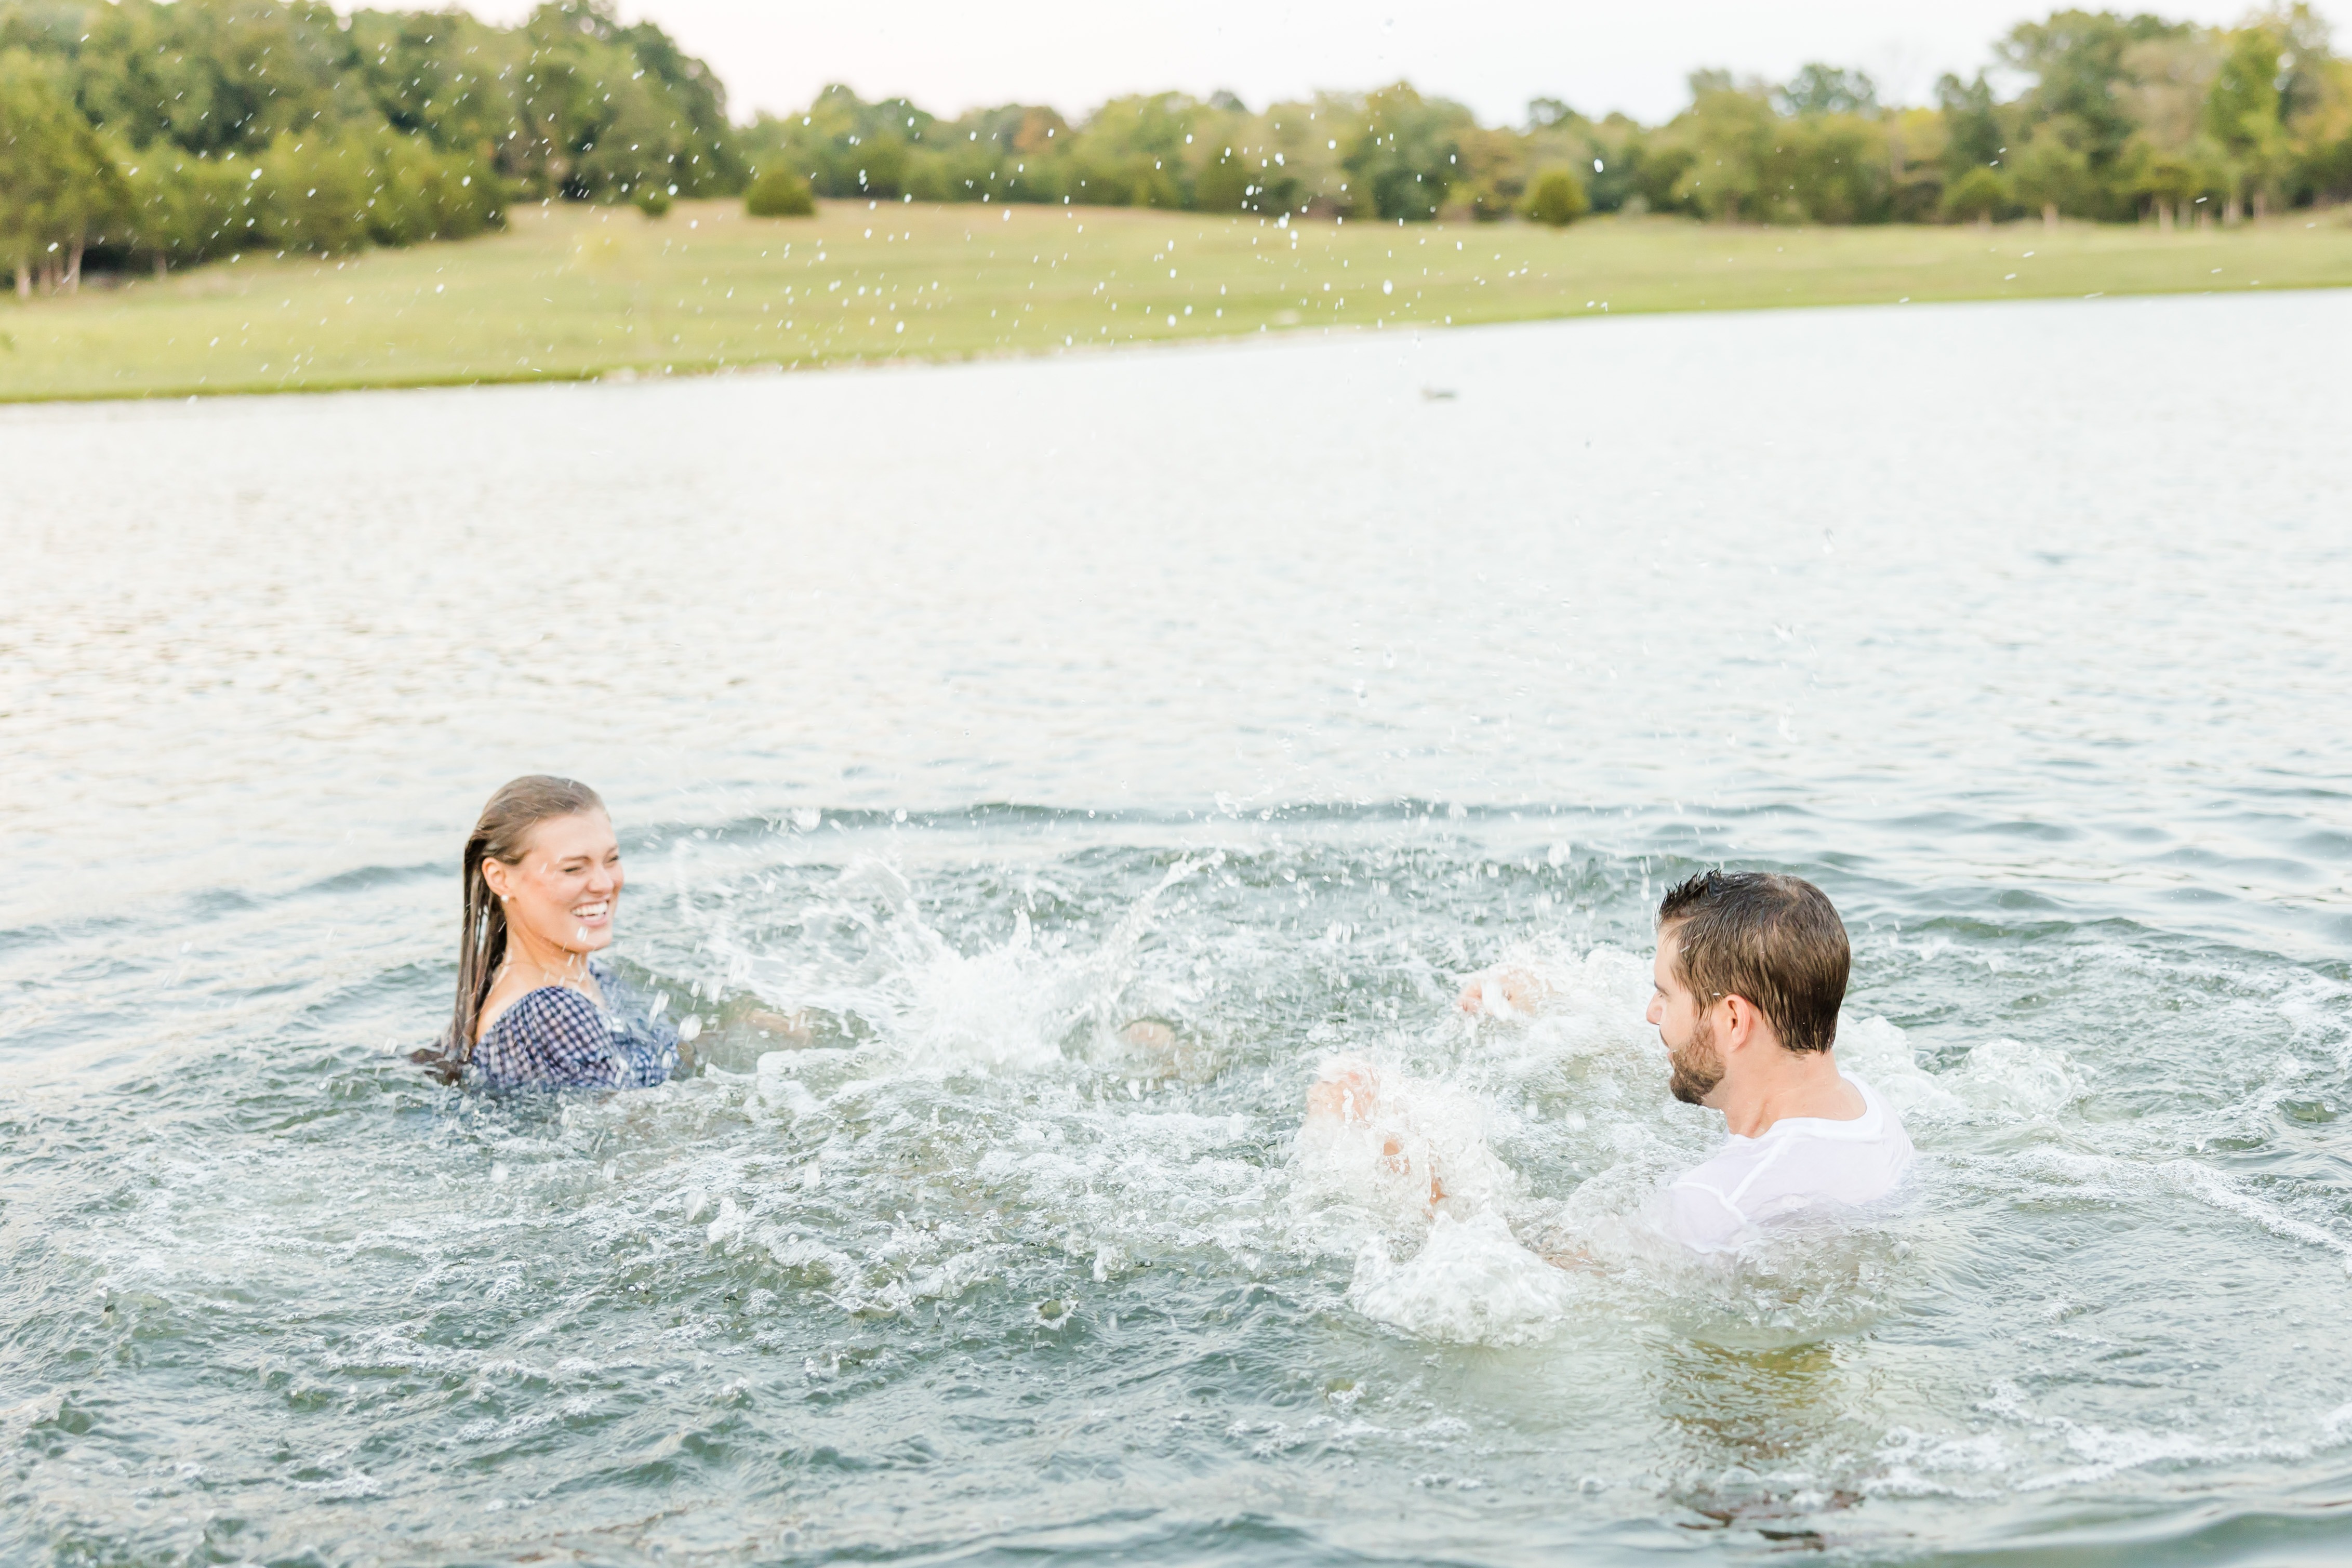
148	133
2116	118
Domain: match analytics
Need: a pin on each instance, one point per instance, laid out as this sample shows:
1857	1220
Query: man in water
1751	972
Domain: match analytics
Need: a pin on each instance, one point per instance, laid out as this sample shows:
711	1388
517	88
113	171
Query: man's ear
1740	1021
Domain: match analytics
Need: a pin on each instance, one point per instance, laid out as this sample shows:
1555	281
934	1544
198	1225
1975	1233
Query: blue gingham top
555	1038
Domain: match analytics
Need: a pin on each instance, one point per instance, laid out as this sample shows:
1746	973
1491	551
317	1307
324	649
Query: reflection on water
987	711
1749	1423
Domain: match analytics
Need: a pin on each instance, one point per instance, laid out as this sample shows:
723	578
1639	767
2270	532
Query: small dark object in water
1438	394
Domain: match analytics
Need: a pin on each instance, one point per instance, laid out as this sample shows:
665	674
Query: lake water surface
1260	691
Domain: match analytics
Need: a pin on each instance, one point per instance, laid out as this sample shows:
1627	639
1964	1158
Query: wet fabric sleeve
555	1038
1702	1218
647	1043
648	1058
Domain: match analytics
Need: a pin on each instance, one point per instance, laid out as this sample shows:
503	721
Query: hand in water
1351	1092
792	1031
1504	992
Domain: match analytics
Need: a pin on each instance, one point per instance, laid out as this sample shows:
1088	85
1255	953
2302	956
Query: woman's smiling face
566	888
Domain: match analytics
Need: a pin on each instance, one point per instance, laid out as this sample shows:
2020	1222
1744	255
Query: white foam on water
1879	1053
1408	1148
2005	1076
2050	1453
1587	1043
2211	1187
27	1414
1020	1005
1911	1463
1471	1282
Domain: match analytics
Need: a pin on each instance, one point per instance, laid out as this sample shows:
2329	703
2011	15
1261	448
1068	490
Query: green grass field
568	292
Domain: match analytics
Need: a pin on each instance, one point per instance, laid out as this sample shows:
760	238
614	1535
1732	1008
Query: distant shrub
652	197
1222	187
1046	180
334	193
421	195
881	167
1558	198
1492	200
1100	181
1153	187
779	191
928	179
1978	193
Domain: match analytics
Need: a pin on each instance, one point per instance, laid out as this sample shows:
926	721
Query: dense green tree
32	165
1974	136
2051	173
1406	155
2169	184
2082	67
441	75
1287	158
2245	115
1223	184
59	185
216	76
1634	169
50	28
1916	145
592	118
1731	134
2324	172
2078	62
184	208
845	146
315	193
1507	163
1979	193
340	192
244	122
1818	89
1494	166
1558	198
693	93
1835	168
1740	159
1132	152
569	104
779	191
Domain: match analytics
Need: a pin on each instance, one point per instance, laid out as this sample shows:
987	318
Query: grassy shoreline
571	293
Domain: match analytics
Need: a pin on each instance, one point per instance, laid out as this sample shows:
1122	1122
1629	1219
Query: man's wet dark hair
1775	940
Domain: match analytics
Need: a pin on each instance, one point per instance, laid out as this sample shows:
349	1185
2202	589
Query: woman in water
535	1007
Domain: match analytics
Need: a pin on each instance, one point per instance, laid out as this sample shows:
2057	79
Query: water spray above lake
1257	693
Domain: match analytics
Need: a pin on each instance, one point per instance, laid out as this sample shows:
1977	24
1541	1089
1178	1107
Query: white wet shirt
1799	1165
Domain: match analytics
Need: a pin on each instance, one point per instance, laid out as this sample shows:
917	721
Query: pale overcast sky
950	55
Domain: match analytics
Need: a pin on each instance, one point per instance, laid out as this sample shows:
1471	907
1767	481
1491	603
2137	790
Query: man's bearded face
1697	1064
